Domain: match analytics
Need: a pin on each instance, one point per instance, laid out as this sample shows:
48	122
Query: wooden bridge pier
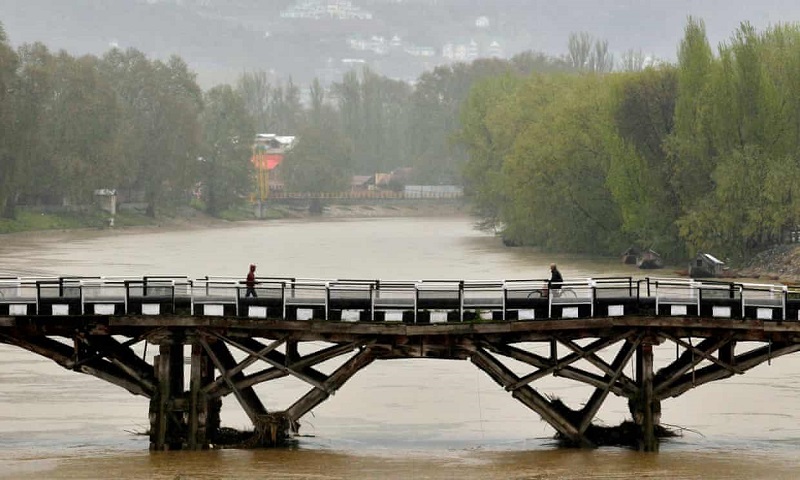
646	410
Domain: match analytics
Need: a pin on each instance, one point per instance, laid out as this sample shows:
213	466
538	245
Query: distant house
268	152
706	265
361	183
631	255
648	259
322	10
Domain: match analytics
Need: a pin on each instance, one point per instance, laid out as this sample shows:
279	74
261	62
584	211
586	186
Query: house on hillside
706	265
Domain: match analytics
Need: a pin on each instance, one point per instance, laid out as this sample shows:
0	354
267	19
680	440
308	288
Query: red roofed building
268	152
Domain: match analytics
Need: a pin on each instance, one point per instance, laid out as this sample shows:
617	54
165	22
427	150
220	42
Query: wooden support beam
250	346
598	362
593	347
645	406
64	355
528	396
167	428
201	373
302	365
221	357
121	355
56	351
598	397
714	372
727	353
687	361
250	360
570	372
292	353
333	383
705	354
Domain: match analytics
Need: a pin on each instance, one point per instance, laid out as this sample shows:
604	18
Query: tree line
72	124
701	155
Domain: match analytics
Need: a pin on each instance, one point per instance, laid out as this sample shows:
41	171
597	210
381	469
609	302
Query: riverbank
33	220
781	262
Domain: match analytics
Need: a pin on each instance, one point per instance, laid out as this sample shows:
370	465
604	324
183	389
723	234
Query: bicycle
557	292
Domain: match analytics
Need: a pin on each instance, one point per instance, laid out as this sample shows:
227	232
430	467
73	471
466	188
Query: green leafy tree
9	157
319	162
161	104
227	137
640	172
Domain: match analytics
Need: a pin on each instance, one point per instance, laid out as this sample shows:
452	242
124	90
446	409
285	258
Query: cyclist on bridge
555	279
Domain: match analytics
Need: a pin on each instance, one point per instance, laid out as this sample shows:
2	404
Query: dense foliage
567	154
701	155
123	121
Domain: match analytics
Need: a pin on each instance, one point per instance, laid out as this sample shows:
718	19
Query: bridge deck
426	301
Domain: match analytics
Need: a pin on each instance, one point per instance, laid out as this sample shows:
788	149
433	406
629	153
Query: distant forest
559	153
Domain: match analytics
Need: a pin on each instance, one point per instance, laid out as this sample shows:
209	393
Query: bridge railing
416	301
158	294
764	302
393	297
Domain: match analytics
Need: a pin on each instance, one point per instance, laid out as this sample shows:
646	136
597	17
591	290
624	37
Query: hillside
221	38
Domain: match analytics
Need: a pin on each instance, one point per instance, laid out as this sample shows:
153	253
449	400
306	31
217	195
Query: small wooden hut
649	259
706	265
629	256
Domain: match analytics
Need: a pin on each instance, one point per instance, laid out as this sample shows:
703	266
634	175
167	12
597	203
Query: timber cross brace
184	413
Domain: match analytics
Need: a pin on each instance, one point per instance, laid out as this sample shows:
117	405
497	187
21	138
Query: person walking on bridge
555	280
251	282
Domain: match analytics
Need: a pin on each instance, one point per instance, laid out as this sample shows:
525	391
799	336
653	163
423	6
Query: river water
421	418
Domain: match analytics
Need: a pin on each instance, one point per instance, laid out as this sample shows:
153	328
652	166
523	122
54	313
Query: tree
689	146
633	61
227	138
254	88
9	158
640	174
319	162
579	50
161	104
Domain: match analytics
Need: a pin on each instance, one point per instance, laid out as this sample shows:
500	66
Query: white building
327	9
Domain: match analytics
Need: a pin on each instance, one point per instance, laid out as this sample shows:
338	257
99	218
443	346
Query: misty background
219	39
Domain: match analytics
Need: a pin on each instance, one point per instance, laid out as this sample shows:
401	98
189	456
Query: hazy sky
220	38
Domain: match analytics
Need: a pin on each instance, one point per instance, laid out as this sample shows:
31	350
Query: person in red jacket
251	282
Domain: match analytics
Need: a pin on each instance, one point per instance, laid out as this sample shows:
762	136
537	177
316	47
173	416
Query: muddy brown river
397	419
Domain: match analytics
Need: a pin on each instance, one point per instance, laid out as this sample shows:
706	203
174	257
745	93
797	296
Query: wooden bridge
91	325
